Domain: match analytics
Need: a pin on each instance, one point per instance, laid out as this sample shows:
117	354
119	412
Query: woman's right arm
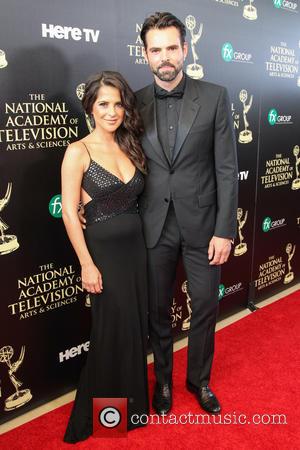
71	177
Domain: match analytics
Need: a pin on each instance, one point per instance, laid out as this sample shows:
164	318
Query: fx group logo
285	4
230	55
224	291
227	52
272	116
269	224
55	208
276	119
110	417
221	291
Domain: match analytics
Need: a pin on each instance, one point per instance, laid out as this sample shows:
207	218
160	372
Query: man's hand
218	250
81	216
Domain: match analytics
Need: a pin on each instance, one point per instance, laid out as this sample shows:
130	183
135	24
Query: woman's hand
91	279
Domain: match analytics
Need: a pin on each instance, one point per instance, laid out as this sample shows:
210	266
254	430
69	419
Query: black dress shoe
206	398
162	398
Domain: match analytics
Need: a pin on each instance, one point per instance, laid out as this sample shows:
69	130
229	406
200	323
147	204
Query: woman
104	171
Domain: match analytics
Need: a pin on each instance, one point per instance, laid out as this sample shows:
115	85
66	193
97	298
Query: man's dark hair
161	20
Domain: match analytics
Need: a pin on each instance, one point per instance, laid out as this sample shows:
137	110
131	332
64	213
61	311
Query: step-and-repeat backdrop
47	51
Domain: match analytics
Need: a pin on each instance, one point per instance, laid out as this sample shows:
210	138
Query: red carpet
255	372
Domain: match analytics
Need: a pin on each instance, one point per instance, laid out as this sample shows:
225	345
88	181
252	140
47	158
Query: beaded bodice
110	195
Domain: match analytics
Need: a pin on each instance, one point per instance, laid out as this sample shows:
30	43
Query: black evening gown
116	364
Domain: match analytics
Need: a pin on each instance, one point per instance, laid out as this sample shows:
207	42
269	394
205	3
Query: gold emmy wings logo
245	135
241	248
250	12
20	397
296	181
194	70
8	242
80	93
186	323
290	250
3	62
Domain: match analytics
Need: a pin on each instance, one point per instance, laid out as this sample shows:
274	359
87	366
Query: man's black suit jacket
202	178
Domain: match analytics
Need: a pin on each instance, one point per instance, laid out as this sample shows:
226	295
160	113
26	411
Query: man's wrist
228	239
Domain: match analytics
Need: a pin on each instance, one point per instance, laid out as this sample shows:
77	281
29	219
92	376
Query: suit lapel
148	113
189	109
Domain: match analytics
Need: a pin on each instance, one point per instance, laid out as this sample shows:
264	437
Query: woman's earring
90	121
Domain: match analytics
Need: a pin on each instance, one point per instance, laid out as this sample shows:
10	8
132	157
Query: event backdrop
47	50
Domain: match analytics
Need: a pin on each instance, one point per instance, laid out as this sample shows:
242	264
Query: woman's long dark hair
129	132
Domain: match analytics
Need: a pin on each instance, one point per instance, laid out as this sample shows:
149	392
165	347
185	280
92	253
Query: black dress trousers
203	281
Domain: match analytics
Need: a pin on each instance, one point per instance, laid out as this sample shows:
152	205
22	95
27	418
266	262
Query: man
189	203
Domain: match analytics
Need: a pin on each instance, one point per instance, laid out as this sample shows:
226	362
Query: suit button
172	171
166	200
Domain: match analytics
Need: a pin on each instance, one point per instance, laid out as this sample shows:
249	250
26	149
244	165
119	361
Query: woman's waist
96	211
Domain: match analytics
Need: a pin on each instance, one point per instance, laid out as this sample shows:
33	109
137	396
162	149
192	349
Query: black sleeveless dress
116	364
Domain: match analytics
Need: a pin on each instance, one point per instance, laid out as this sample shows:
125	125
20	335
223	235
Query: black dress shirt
168	104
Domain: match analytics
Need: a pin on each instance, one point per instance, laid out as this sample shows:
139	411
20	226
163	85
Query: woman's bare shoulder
76	150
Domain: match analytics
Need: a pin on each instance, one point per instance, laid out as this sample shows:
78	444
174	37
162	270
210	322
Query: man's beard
168	75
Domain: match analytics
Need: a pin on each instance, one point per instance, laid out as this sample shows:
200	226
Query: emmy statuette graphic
187	321
80	93
241	248
20	397
87	301
245	135
250	12
8	242
194	70
290	252
3	62
296	181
